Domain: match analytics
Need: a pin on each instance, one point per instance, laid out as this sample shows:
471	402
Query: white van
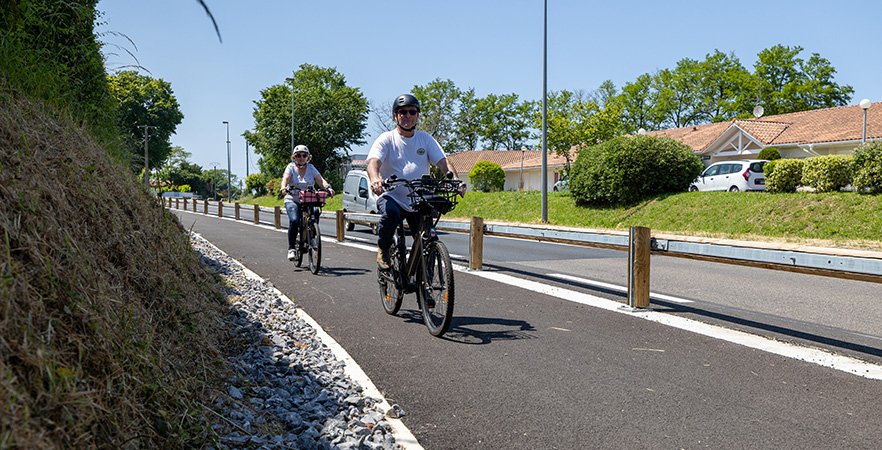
358	197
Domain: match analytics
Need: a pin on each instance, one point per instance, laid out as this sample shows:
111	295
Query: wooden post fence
476	243
277	212
256	214
638	267
236	207
341	220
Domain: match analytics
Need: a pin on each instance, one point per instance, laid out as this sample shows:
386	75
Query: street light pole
146	157
544	118
523	150
246	159
865	105
229	169
291	80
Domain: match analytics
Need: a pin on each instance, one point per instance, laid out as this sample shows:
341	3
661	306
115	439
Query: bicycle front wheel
435	290
301	245
314	241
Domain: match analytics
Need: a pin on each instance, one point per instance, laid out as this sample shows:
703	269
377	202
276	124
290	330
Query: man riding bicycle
406	153
300	174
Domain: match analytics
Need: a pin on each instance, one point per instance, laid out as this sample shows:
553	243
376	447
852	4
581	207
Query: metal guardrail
866	267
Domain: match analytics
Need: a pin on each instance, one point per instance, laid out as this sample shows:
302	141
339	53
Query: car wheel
350	226
734	189
693	188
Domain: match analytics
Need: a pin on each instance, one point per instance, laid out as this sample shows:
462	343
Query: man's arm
373	171
444	167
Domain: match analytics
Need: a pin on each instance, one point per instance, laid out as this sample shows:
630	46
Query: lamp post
213	182
229	169
523	151
246	159
544	171
146	157
865	105
291	80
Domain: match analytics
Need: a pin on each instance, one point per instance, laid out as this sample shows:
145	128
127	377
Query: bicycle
310	236
426	270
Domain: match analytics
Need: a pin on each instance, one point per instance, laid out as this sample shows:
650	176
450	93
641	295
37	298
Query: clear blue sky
494	46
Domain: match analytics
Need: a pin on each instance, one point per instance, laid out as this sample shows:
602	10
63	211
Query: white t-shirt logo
421	151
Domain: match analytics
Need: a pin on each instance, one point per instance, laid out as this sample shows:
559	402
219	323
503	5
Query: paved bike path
521	369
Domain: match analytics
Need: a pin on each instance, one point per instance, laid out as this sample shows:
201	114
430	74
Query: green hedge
828	173
628	169
487	176
868	168
783	175
769	153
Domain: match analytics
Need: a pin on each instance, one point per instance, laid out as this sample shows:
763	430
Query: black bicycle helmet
405	100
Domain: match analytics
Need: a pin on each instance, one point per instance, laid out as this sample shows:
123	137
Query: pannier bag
313	197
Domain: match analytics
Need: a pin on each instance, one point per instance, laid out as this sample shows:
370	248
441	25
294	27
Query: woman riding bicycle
299	175
406	153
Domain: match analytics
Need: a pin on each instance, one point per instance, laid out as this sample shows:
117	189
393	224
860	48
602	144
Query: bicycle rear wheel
435	290
314	242
391	290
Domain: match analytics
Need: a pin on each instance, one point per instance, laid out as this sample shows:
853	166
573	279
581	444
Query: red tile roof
507	159
842	123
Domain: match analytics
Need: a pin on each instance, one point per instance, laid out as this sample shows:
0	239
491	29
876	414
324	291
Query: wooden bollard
476	243
638	267
194	204
220	209
277	212
236	207
341	220
205	207
185	203
256	214
177	203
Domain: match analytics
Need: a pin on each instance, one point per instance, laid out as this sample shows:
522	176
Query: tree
504	122
638	102
329	118
145	101
438	105
726	88
466	133
567	114
679	99
786	83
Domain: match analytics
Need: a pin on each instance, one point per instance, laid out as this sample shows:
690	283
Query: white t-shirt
408	158
294	179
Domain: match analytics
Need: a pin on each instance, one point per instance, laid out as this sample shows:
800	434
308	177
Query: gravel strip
289	390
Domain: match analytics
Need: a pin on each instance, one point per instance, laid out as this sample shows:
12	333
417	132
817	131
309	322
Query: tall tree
466	134
679	97
787	83
505	122
329	118
438	104
726	89
144	100
638	101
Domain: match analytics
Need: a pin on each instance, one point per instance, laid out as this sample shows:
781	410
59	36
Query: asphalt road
525	370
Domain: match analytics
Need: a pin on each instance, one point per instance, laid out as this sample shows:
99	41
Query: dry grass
109	326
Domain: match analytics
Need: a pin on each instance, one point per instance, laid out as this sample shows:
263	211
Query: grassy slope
835	219
110	329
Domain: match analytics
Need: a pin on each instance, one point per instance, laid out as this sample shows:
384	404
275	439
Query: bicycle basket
442	201
315	198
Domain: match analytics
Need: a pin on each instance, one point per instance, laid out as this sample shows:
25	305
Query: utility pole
246	159
229	169
146	157
291	80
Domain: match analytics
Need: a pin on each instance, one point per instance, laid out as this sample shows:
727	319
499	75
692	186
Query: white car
358	197
561	186
732	176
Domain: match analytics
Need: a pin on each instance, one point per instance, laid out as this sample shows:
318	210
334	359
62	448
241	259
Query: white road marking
812	355
616	287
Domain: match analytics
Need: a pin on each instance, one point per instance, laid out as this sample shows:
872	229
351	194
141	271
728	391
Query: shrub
868	168
785	176
770	153
487	176
255	184
273	186
184	188
628	169
769	167
827	173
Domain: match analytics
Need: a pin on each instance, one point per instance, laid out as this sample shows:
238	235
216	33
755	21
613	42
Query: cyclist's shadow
325	271
465	329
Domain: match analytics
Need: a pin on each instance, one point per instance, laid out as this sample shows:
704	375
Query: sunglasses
301	155
408	112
